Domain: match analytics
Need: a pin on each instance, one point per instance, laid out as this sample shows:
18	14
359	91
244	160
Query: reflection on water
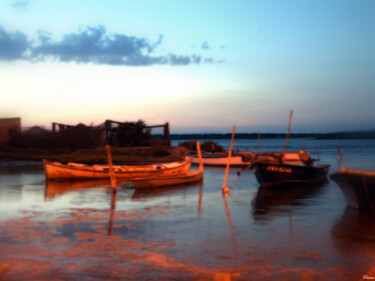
88	231
355	232
354	235
56	188
269	203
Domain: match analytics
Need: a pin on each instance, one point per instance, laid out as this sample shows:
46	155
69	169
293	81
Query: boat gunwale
345	171
91	168
141	183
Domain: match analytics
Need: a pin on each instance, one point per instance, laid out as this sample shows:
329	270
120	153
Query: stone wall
6	126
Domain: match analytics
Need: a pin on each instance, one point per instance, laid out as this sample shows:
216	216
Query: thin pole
338	149
289	124
260	147
113	207
199	156
201	186
110	164
226	189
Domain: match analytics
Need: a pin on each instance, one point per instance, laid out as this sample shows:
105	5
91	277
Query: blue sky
199	65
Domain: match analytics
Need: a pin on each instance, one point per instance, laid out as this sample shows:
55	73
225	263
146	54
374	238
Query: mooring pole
338	149
260	147
112	176
287	137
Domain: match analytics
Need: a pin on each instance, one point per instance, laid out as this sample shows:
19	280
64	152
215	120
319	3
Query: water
87	232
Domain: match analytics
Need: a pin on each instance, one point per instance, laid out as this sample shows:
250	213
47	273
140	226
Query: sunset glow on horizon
202	67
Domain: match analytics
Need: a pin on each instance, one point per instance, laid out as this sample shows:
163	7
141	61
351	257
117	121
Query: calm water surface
86	231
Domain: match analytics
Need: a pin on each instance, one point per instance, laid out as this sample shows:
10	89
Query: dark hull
357	186
271	174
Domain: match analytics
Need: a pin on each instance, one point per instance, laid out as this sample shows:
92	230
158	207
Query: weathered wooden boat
357	186
168	180
288	168
171	180
237	160
75	171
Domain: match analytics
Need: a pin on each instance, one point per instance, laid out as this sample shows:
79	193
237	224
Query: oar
226	189
110	164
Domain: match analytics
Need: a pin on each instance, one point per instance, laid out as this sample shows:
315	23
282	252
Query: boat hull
275	174
357	186
58	171
167	180
221	160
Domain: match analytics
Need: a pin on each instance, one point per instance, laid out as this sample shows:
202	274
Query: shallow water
88	232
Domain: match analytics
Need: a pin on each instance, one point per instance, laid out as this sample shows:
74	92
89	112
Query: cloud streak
92	45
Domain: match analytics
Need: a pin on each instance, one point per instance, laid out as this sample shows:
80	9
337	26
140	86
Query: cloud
184	60
92	45
12	45
205	45
21	4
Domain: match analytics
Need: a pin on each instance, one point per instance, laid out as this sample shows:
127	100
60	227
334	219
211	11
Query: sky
201	65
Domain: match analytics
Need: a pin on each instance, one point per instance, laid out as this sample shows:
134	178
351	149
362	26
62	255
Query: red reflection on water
36	247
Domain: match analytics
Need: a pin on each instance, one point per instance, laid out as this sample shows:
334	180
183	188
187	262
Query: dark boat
288	169
357	186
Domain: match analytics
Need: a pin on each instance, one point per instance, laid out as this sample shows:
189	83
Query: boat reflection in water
56	188
355	229
354	237
268	203
164	191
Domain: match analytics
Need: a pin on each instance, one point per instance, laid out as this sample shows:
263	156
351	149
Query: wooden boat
280	169
168	180
171	180
74	171
237	160
357	186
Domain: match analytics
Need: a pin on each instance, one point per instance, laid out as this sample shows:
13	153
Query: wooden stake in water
260	147
338	149
226	189
289	124
112	176
199	156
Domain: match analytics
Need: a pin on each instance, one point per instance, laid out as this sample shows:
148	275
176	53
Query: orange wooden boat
76	171
171	179
168	180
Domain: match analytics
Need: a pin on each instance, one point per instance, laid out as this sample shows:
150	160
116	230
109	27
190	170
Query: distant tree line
334	135
207	146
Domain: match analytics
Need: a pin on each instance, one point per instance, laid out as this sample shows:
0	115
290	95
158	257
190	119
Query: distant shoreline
334	135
